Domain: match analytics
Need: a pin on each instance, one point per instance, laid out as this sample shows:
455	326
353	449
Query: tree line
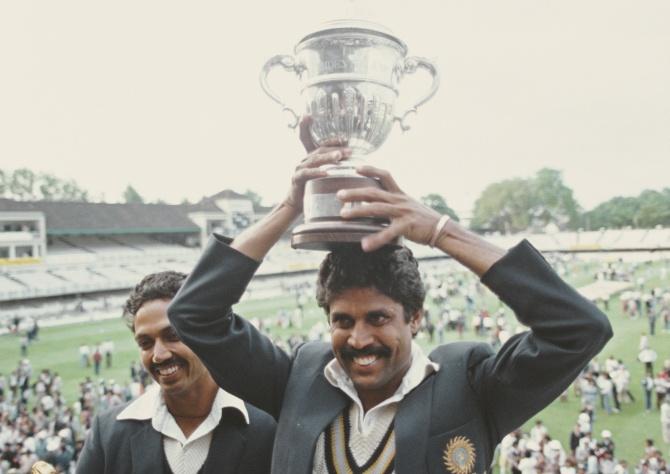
544	200
25	185
512	205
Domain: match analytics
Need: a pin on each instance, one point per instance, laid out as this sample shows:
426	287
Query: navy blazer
134	446
452	421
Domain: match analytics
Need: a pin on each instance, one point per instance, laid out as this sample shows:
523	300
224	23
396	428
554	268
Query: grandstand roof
82	218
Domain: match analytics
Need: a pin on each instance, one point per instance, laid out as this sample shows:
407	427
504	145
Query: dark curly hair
391	270
155	286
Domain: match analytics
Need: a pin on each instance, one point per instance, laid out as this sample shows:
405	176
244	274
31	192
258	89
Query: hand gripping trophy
350	71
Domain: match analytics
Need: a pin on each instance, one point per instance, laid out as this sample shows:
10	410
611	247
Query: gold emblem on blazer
459	455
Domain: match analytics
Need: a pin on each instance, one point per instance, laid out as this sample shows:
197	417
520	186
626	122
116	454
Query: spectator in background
661	387
575	436
606	388
84	355
24	346
538	432
648	387
647	355
665	419
97	359
649	447
107	351
41	467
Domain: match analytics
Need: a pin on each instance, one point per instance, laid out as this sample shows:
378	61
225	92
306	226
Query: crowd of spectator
36	422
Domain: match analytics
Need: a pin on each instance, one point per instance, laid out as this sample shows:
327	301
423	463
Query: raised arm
257	240
416	222
241	359
532	368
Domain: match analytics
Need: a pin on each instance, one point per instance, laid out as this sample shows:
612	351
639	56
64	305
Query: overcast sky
164	95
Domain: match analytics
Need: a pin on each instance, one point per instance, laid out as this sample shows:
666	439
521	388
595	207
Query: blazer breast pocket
458	451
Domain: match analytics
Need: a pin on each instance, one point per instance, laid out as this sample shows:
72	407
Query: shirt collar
147	405
420	368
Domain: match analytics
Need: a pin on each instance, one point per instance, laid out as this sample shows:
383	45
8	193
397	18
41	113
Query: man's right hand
310	166
257	240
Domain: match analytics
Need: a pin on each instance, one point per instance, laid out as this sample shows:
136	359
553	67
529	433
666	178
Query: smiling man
371	401
183	424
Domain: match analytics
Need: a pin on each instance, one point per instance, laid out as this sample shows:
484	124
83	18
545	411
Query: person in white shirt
184	424
665	419
538	432
528	463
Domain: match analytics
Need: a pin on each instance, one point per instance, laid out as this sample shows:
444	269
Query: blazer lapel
412	426
146	450
228	444
321	405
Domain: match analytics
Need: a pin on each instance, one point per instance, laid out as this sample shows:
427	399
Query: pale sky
164	95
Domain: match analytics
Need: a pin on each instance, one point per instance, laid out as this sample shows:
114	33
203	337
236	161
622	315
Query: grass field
57	349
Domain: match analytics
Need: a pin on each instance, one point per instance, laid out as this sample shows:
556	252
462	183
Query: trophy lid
354	26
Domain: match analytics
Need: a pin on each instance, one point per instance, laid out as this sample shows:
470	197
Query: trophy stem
324	229
345	168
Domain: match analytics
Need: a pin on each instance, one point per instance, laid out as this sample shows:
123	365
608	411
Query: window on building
24	251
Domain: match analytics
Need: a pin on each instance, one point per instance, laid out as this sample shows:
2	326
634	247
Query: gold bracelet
439	227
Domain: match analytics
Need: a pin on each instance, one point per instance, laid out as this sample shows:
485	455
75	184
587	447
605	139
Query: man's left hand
409	218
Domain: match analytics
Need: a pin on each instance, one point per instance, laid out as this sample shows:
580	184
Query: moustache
167	363
349	352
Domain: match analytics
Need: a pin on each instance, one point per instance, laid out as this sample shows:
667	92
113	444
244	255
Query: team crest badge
459	455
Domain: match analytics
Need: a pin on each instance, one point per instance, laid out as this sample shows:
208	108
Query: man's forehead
151	321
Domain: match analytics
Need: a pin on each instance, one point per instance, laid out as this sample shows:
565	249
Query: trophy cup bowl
349	71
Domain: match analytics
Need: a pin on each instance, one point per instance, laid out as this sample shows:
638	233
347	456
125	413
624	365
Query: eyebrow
169	330
339	315
374	312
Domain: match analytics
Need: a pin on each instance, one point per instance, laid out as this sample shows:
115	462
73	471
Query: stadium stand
75	248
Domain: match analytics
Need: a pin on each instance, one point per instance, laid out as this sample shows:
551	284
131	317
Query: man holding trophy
371	401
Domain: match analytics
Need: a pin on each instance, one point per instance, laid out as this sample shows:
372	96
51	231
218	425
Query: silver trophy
350	71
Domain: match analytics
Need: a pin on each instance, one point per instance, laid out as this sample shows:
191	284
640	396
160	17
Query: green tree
25	184
503	207
70	191
3	183
653	208
553	201
50	187
131	196
649	209
438	203
22	184
516	204
614	213
255	198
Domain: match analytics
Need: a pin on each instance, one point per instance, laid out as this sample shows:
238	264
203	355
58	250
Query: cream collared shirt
184	455
367	427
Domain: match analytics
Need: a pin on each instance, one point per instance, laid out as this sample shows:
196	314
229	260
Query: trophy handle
409	66
289	64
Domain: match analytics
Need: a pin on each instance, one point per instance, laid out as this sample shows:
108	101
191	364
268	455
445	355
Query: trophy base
324	229
333	235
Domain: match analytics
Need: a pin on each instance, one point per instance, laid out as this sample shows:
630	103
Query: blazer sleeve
533	368
243	361
92	457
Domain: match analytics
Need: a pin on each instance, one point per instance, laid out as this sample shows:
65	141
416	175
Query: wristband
439	227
